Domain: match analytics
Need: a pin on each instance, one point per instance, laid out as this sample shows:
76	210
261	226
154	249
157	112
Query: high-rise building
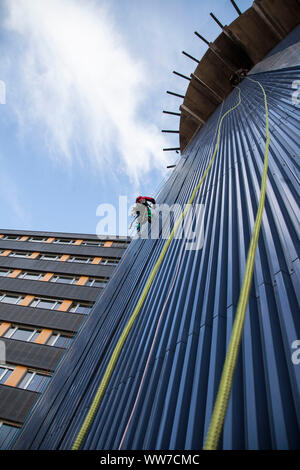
49	283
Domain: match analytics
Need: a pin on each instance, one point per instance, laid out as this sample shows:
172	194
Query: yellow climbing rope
118	348
219	411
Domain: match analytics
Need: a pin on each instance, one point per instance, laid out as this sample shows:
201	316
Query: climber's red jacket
141	199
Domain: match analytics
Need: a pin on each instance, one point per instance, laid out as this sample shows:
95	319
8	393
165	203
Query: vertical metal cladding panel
181	382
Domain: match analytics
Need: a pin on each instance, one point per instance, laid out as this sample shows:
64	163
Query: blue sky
86	84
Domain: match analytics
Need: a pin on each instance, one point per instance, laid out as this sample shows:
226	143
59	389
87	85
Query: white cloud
11	197
77	85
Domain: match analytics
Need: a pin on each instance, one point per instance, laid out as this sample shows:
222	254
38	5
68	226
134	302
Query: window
4	273
64	279
20	254
11	237
60	341
93	243
97	282
80	308
10	298
34	381
30	275
79	259
5	373
34	336
119	244
64	241
7	434
22	334
109	261
49	257
50	304
37	239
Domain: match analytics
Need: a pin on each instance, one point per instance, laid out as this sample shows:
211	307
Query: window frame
30	379
16	254
95	279
18	327
118	244
6	368
45	299
37	239
55	278
107	261
30	273
12	237
83	259
62	241
57	336
49	257
93	243
5	271
19	298
75	305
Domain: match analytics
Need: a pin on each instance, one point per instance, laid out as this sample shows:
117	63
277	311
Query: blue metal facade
176	401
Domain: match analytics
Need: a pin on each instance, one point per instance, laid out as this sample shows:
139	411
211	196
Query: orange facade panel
108	244
17	375
34	255
15	273
65	305
4	327
47	277
27	300
82	281
5	253
64	257
43	336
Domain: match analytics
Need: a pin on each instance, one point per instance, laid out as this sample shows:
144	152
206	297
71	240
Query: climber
142	211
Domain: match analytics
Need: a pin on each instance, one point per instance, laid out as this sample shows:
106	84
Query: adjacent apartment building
49	283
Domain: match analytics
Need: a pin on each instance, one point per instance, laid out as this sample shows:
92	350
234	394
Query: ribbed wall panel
48	289
56	248
57	267
37	356
80	236
40	317
179	391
